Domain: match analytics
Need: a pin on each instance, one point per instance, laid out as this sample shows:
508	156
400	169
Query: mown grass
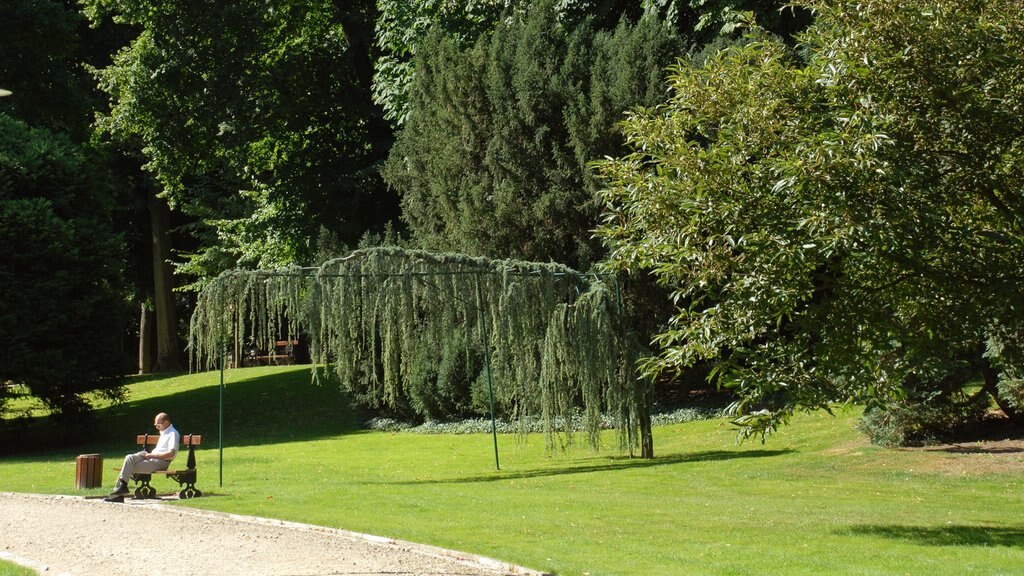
815	499
12	569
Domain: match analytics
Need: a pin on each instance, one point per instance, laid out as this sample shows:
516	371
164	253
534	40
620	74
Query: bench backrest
285	347
190	440
186	439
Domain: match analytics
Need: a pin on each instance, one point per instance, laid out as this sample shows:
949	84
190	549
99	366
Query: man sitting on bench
143	462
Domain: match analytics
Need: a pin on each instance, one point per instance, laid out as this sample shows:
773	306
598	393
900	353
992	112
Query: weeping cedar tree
62	311
849	225
492	158
409	329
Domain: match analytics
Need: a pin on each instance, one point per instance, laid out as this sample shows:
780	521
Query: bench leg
187	479
143	491
189	492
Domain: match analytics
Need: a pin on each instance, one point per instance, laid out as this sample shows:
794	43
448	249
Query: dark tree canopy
40	62
62	312
62	308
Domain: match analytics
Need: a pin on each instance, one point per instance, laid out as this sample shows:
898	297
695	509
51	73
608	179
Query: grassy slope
815	499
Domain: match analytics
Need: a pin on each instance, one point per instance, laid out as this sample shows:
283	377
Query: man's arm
169	455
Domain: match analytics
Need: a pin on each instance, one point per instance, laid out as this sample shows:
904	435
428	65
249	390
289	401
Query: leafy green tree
401	27
61	300
492	157
711	18
842	225
269	106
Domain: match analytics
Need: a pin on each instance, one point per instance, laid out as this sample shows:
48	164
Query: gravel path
84	537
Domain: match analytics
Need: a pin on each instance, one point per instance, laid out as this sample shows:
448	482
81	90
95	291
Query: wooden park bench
282	354
185	478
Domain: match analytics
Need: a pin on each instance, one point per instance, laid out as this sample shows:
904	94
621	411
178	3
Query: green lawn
816	499
12	569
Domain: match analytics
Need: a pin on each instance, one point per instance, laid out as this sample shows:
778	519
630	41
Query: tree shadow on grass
260	409
608	465
946	535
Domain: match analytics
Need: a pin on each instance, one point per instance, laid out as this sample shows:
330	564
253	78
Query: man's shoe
119	498
121	489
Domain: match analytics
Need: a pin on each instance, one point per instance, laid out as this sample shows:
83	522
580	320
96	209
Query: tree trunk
168	353
646	436
991	380
646	424
145	340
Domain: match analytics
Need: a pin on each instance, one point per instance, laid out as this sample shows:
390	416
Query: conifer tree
412	332
493	157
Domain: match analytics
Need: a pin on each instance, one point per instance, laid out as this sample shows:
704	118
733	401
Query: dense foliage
411	332
257	119
403	27
61	307
260	129
492	159
41	61
836	214
62	313
844	224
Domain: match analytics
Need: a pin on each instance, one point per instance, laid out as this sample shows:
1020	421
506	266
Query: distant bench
283	353
185	478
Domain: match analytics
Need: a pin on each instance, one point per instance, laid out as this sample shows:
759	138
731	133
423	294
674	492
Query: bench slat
186	439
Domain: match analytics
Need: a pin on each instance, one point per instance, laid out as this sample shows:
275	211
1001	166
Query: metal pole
487	364
223	345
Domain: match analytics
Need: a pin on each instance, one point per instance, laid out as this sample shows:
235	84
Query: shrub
917	420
